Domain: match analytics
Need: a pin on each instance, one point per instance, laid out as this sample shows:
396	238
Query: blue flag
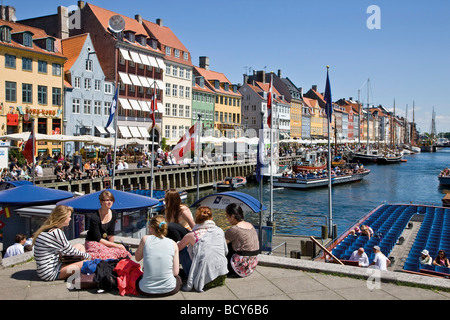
112	111
327	97
260	152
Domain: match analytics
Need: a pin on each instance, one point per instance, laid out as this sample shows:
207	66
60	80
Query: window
5	34
167	131
185	56
187	111
187	93
181	110
167	111
168	69
107	108
10	91
177	53
181	72
49	45
42	94
56	69
181	91
174	131
76	82
168	51
75	105
56	96
27	40
174	110
87	84
42	125
108	88
88	65
27	64
87	106
27	93
168	89
97	107
174	90
42	66
10	61
175	71
188	74
180	131
97	85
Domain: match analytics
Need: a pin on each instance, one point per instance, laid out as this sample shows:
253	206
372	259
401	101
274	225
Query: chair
442	269
410	266
427	267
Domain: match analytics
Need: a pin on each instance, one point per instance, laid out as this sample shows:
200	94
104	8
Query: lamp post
199	148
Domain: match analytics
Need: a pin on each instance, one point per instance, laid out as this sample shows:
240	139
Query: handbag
67	259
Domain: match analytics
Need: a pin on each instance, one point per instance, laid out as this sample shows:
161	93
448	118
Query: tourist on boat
360	256
380	261
207	249
50	241
441	259
161	262
425	258
100	236
243	243
366	231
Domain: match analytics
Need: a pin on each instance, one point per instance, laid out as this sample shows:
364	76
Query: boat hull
364	158
444	180
299	183
389	160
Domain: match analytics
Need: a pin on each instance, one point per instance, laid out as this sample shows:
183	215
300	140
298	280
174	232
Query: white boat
307	183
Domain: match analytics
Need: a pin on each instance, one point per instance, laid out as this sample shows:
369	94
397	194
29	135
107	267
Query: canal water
303	212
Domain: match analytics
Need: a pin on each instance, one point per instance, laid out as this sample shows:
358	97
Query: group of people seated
179	245
440	260
445	172
318	174
65	172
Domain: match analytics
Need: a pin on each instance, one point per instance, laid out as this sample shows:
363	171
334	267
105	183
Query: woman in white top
50	241
161	263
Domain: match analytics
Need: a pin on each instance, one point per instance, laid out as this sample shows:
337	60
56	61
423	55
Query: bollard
324	232
296	254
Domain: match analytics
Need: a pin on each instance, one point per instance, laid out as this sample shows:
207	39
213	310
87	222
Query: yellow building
31	83
296	118
227	108
316	118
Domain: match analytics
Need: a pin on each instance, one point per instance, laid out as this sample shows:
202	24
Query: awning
223	199
144	105
152	61
125	54
111	130
144	59
125	132
29	195
144	132
101	130
135	132
135	80
124	103
135	57
125	79
144	81
161	63
135	104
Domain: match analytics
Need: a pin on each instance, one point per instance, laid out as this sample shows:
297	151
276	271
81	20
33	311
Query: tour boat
231	183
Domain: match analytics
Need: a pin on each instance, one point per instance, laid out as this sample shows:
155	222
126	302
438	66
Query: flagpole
33	172
260	155
271	150
329	110
115	140
153	141
199	147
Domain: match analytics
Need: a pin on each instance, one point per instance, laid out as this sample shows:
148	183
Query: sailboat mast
367	148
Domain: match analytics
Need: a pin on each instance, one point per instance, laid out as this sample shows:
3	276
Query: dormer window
5	34
177	53
168	51
129	35
185	56
50	45
28	40
142	40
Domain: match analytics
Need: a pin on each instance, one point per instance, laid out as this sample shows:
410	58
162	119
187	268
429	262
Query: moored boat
231	183
389	158
444	177
313	181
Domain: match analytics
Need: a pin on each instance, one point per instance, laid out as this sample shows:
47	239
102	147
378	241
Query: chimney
138	18
81	4
159	22
301	91
63	22
314	87
279	73
8	13
204	63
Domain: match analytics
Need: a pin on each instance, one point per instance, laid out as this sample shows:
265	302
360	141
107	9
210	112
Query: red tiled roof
71	48
103	16
37	34
213	75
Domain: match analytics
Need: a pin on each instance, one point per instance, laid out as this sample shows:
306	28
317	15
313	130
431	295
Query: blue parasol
31	195
124	201
223	199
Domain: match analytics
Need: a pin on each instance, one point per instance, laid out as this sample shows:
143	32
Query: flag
269	105
154	107
260	153
187	143
112	110
6	211
327	97
30	147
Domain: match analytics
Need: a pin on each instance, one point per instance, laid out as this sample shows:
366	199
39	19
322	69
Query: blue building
88	97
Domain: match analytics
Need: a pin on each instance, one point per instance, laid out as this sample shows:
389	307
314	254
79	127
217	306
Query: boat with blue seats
389	222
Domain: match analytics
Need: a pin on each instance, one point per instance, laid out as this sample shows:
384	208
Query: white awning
134	78
144	81
125	54
135	57
144	59
125	132
124	77
152	61
144	132
159	84
111	130
145	106
125	104
160	108
161	63
101	130
135	132
135	105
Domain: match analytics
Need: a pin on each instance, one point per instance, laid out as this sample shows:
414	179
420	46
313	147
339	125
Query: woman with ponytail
161	262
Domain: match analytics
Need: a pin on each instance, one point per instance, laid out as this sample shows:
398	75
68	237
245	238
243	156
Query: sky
386	52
